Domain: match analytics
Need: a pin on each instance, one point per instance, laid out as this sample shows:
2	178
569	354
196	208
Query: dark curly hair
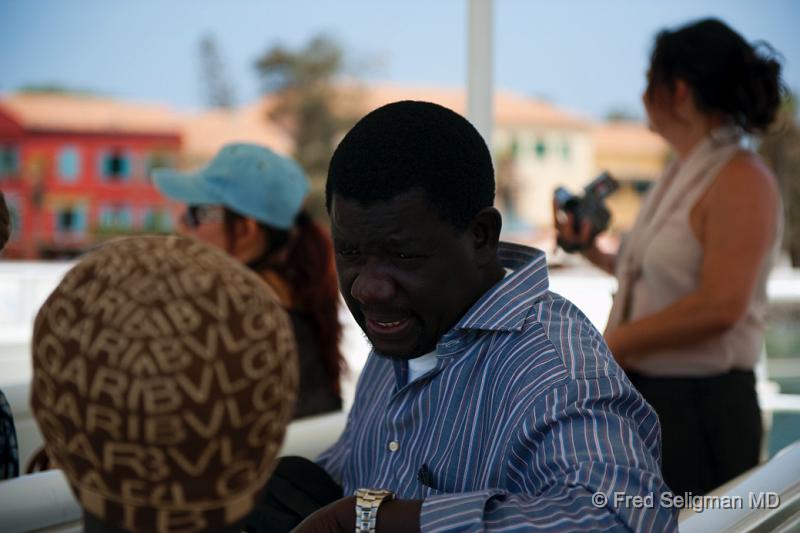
5	222
409	145
727	74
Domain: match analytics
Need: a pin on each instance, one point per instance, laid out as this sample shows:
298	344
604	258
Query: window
15	215
156	221
69	164
70	220
164	221
148	220
541	149
565	151
157	159
115	218
115	165
641	186
9	161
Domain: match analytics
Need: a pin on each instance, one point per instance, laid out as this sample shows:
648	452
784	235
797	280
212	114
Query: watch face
373	493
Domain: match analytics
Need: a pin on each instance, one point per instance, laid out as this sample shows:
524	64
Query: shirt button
394	446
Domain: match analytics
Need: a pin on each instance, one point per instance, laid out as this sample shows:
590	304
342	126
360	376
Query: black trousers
711	427
297	488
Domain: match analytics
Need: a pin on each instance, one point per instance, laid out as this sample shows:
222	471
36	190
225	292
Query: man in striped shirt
488	403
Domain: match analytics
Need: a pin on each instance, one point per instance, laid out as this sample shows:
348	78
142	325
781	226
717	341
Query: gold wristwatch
367	503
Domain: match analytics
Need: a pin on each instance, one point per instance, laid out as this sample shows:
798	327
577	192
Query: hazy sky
587	55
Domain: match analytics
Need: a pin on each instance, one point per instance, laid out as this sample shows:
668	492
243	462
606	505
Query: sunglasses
197	215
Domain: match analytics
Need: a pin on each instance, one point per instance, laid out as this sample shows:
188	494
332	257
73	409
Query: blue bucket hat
249	179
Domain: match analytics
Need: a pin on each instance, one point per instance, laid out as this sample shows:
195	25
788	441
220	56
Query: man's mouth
387	327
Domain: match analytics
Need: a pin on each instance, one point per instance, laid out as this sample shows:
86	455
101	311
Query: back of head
164	375
728	75
419	146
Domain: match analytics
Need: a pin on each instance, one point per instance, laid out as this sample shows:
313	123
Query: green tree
307	101
218	89
54	88
621	114
781	150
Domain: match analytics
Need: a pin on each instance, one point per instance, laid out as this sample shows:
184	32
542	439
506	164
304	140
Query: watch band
367	503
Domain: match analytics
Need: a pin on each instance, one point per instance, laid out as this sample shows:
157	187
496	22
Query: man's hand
340	517
336	517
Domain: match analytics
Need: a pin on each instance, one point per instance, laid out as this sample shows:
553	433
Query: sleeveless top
661	261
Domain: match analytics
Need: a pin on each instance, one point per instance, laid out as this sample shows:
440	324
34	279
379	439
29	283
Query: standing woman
248	201
687	322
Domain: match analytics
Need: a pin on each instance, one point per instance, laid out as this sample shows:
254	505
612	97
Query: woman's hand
39	462
564	224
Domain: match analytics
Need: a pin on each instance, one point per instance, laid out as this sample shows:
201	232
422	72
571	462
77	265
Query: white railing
25	285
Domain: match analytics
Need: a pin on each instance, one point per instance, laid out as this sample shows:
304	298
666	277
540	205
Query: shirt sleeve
586	459
334	459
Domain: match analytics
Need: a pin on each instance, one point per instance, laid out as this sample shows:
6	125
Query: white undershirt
421	365
425	363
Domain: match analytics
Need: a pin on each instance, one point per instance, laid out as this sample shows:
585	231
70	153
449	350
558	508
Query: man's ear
485	232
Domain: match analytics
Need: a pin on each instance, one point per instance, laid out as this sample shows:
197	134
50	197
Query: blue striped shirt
524	418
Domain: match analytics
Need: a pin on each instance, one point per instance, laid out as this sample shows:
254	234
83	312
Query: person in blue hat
248	201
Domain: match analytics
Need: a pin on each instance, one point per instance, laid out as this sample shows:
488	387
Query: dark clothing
9	453
711	427
297	488
316	394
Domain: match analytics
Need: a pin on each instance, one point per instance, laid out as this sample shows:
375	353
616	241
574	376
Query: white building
536	146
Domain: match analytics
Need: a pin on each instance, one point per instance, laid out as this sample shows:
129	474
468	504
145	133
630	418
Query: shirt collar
505	306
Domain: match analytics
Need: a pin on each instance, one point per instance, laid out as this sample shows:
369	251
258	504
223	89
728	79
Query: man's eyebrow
406	240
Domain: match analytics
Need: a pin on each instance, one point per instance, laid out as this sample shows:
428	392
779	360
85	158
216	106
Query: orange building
635	156
74	170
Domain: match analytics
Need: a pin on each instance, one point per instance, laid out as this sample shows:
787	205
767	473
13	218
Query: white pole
480	82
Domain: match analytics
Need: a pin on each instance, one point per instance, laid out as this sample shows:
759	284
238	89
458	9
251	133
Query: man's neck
494	274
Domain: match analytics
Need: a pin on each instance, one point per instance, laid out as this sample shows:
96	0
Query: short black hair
727	74
415	146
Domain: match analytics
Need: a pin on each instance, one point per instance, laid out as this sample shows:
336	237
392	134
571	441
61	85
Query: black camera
589	207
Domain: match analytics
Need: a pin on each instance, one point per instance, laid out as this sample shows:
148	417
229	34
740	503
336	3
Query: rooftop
88	114
511	109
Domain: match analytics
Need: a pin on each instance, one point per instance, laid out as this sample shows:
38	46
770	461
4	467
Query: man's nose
372	287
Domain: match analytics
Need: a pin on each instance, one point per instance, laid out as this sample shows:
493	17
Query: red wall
38	154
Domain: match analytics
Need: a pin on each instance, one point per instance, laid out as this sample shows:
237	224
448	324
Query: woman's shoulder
746	168
745	174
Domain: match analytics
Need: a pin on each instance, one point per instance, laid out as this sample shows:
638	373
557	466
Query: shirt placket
397	449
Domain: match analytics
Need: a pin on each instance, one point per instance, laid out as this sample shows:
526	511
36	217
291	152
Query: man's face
406	275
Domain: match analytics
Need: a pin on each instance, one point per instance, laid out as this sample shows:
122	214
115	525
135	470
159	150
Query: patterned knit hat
164	375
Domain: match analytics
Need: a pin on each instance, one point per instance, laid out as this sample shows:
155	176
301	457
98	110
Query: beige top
660	262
